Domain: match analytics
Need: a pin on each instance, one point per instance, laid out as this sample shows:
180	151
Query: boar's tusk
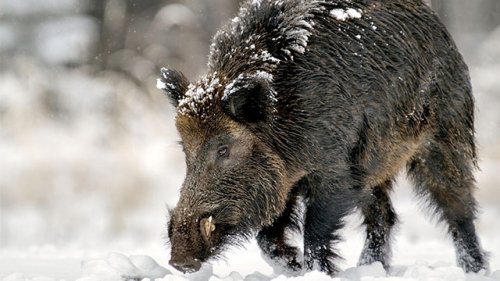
208	227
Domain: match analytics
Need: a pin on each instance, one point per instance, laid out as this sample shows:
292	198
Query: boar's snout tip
186	265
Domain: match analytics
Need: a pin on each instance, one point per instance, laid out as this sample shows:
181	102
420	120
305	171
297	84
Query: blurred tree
116	18
484	14
468	21
136	37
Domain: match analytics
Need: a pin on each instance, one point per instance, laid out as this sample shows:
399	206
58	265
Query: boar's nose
186	265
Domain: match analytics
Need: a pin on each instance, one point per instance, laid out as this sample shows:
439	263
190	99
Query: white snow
266	57
342	15
264	75
353	14
160	84
421	252
199	95
118	266
339	14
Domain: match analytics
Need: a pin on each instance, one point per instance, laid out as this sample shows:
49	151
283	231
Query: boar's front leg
273	240
328	201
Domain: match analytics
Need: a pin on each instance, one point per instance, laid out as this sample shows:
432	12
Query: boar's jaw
187	252
196	238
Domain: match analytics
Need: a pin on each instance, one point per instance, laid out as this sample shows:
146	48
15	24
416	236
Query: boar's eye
223	151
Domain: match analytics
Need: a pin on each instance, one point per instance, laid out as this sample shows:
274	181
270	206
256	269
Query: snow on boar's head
235	182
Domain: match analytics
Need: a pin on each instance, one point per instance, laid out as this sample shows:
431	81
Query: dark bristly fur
323	101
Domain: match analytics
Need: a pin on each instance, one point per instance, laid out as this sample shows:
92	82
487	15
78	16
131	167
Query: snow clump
121	267
343	15
199	96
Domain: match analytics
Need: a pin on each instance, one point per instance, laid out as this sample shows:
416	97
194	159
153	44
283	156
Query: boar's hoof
186	265
281	254
289	255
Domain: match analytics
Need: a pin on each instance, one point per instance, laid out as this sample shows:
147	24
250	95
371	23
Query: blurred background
88	149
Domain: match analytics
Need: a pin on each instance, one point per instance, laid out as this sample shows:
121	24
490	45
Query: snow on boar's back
317	105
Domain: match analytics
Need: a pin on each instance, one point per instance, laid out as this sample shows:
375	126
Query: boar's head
236	183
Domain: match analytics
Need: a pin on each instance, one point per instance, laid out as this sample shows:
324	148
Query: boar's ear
248	99
174	83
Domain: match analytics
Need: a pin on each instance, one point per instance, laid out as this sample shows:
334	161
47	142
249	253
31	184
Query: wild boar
322	103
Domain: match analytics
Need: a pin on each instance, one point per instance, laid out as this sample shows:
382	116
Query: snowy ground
421	252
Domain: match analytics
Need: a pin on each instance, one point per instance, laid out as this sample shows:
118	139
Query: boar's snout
185	264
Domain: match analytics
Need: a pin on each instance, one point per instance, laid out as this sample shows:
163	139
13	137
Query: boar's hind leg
379	220
330	199
444	177
273	241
